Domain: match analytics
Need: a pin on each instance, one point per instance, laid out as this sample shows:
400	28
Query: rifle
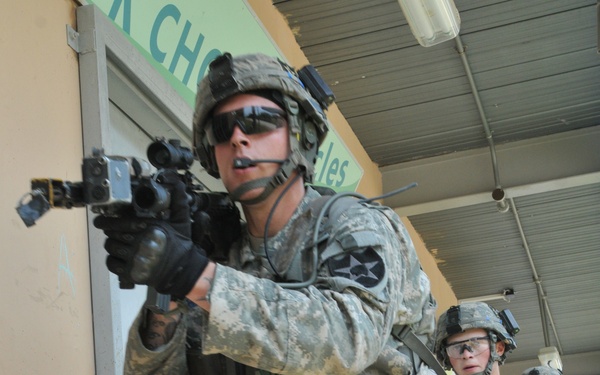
112	184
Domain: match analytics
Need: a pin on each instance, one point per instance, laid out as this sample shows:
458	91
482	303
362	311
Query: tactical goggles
475	345
250	120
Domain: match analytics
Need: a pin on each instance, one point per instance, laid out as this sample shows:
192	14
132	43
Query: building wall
46	319
47	322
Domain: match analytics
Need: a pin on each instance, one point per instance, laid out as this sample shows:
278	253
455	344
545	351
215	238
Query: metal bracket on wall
81	43
73	38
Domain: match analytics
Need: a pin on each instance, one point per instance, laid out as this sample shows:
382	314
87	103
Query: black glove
152	253
179	208
216	228
158	253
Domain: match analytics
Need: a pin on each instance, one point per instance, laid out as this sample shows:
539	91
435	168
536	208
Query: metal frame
101	46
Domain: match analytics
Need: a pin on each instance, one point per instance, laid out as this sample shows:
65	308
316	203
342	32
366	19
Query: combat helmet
542	370
500	326
302	94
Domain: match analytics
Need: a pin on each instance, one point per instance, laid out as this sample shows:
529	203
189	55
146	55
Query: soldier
473	338
309	285
542	370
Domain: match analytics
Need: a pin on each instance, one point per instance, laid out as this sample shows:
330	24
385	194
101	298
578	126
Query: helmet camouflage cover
466	316
542	370
230	75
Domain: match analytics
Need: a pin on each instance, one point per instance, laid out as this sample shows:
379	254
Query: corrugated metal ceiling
536	71
481	252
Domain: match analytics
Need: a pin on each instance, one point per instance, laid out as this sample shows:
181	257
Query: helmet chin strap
269	183
494	357
296	160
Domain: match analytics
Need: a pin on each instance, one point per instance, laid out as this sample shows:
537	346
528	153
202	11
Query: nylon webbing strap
407	336
250	185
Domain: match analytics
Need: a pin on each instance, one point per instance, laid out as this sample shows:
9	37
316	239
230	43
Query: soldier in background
473	338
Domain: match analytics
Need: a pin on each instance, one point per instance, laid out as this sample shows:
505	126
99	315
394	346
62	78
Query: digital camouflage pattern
542	370
339	325
231	75
472	315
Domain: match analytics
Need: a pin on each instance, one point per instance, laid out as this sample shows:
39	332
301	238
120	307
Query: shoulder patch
363	266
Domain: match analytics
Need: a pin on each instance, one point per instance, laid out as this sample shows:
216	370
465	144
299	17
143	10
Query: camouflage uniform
371	281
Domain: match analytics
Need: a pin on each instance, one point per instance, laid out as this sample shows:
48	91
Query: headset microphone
242	163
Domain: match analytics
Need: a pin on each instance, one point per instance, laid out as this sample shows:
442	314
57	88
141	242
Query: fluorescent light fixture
431	21
549	356
506	295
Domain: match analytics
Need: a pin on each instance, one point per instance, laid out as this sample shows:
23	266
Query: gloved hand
152	252
218	227
179	208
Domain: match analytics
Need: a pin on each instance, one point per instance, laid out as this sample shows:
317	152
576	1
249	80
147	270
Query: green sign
181	37
336	167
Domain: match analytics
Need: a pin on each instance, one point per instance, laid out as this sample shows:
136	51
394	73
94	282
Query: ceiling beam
465	178
515	192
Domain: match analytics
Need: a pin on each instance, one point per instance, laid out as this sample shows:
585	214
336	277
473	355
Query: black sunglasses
250	120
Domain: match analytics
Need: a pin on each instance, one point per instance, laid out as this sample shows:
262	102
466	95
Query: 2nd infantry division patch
363	266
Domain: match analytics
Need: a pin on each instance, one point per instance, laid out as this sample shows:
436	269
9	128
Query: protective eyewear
250	120
475	345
